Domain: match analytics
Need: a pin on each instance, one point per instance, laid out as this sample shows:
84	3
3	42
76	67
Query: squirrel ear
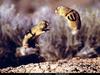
59	7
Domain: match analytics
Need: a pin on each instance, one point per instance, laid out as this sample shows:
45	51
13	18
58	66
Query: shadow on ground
14	62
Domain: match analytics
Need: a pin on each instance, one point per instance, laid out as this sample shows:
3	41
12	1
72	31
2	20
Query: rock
21	51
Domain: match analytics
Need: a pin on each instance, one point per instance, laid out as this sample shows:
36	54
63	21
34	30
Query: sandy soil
74	65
